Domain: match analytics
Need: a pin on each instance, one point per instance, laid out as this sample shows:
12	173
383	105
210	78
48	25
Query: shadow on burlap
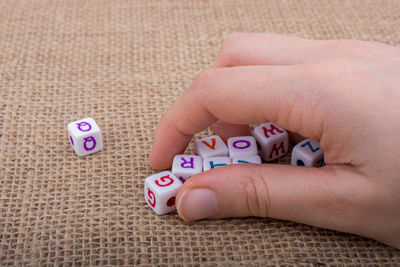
124	63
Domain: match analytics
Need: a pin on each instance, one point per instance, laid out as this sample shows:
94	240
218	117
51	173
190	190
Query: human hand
344	93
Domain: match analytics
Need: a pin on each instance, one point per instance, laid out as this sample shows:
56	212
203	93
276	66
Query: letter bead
185	166
85	136
308	153
212	146
273	140
160	191
242	146
213	162
247	159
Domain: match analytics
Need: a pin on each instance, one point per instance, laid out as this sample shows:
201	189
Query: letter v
212	146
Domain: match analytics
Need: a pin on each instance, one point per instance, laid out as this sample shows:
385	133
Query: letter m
275	149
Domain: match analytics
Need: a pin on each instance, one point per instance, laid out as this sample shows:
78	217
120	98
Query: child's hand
344	93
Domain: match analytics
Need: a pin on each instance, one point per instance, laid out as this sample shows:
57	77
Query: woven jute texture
123	63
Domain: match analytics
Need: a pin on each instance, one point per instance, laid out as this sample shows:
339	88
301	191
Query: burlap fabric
124	63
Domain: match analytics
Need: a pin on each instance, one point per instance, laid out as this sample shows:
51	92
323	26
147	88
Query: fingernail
196	204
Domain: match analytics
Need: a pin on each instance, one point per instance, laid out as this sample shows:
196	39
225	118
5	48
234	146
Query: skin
344	93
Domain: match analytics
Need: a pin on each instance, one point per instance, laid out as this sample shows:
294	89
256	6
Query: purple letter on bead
246	144
86	126
184	162
88	140
72	140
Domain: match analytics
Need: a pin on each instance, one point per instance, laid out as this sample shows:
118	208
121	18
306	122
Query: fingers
334	198
227	130
285	95
243	49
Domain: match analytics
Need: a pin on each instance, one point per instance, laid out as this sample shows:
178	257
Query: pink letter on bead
163	179
276	149
271	130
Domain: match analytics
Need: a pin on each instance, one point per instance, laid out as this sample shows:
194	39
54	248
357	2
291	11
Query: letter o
246	144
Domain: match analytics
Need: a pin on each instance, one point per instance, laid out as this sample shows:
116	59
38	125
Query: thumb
327	197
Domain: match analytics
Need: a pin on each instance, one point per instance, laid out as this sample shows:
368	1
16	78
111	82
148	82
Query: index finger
239	95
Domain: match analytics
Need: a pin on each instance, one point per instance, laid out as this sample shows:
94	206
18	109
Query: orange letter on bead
212	146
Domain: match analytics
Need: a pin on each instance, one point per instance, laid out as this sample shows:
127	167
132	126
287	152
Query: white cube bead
308	153
185	166
242	146
213	162
85	136
273	140
246	159
212	146
160	191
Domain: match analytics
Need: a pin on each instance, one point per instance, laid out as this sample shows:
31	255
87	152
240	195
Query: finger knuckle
312	83
203	79
203	83
312	75
257	196
230	48
322	74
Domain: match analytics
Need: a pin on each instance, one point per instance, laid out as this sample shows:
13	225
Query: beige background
123	63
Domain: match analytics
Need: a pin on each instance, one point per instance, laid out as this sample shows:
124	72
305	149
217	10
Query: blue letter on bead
216	165
309	144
